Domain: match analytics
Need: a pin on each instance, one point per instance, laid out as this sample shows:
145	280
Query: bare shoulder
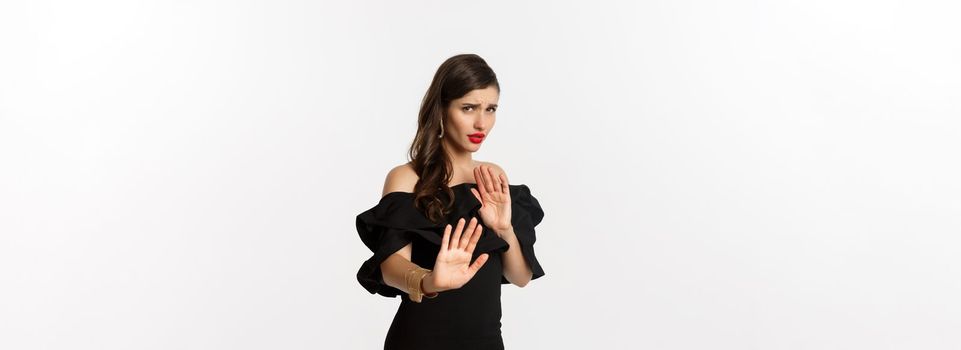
496	168
401	178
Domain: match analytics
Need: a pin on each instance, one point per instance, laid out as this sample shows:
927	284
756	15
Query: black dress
464	318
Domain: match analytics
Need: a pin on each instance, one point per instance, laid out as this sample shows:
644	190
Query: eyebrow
478	104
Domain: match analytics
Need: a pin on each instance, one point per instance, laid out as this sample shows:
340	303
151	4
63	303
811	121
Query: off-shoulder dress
464	318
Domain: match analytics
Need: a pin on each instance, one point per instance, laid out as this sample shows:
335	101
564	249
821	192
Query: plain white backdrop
714	175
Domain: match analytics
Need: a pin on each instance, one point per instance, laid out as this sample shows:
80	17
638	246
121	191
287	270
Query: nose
479	123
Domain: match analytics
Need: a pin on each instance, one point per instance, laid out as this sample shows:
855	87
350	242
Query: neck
461	161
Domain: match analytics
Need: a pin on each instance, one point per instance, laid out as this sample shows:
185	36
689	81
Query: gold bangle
412	292
414	281
407	280
427	295
418	279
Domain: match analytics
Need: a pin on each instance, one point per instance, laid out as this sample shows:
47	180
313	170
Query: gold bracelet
418	280
414	280
412	291
427	295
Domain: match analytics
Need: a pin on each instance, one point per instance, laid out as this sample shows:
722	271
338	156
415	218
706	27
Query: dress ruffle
395	221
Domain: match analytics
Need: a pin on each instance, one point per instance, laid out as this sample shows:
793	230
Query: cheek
455	116
460	120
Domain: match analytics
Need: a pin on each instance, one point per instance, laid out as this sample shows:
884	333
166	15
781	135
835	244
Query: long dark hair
454	78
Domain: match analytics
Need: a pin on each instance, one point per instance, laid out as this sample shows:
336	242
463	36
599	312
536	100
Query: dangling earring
441	129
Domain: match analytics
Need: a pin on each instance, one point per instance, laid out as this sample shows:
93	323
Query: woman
433	221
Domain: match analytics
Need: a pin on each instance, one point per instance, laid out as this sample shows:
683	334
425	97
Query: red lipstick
476	137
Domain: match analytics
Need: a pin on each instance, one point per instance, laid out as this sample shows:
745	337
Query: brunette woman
449	230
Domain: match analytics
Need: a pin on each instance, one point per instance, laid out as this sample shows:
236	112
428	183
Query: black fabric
462	318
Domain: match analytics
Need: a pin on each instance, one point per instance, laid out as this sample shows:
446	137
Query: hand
495	198
453	269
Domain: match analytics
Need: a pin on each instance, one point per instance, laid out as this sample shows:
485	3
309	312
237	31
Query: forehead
488	95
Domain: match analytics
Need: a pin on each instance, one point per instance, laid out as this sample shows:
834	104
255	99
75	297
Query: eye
468	108
492	109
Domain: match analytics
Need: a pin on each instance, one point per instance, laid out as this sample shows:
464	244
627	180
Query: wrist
507	234
507	231
429	285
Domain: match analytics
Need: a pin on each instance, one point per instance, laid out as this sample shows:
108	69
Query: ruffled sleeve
526	213
385	229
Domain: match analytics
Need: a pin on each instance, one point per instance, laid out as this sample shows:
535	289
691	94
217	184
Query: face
470	119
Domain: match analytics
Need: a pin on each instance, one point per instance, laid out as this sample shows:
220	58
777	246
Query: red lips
476	137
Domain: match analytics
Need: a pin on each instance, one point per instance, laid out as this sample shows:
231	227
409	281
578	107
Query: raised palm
453	268
494	194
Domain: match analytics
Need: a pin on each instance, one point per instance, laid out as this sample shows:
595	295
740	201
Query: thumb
481	259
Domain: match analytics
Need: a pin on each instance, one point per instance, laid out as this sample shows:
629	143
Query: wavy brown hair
454	78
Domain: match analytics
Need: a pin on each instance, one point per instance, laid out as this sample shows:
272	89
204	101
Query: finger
455	241
465	239
495	180
479	177
443	240
474	238
504	186
488	181
478	263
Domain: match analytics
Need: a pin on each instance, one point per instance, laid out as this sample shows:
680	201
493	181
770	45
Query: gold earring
441	129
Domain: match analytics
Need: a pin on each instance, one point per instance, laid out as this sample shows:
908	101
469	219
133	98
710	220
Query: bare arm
516	270
402	178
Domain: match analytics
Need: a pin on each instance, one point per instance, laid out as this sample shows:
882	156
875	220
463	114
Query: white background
715	175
